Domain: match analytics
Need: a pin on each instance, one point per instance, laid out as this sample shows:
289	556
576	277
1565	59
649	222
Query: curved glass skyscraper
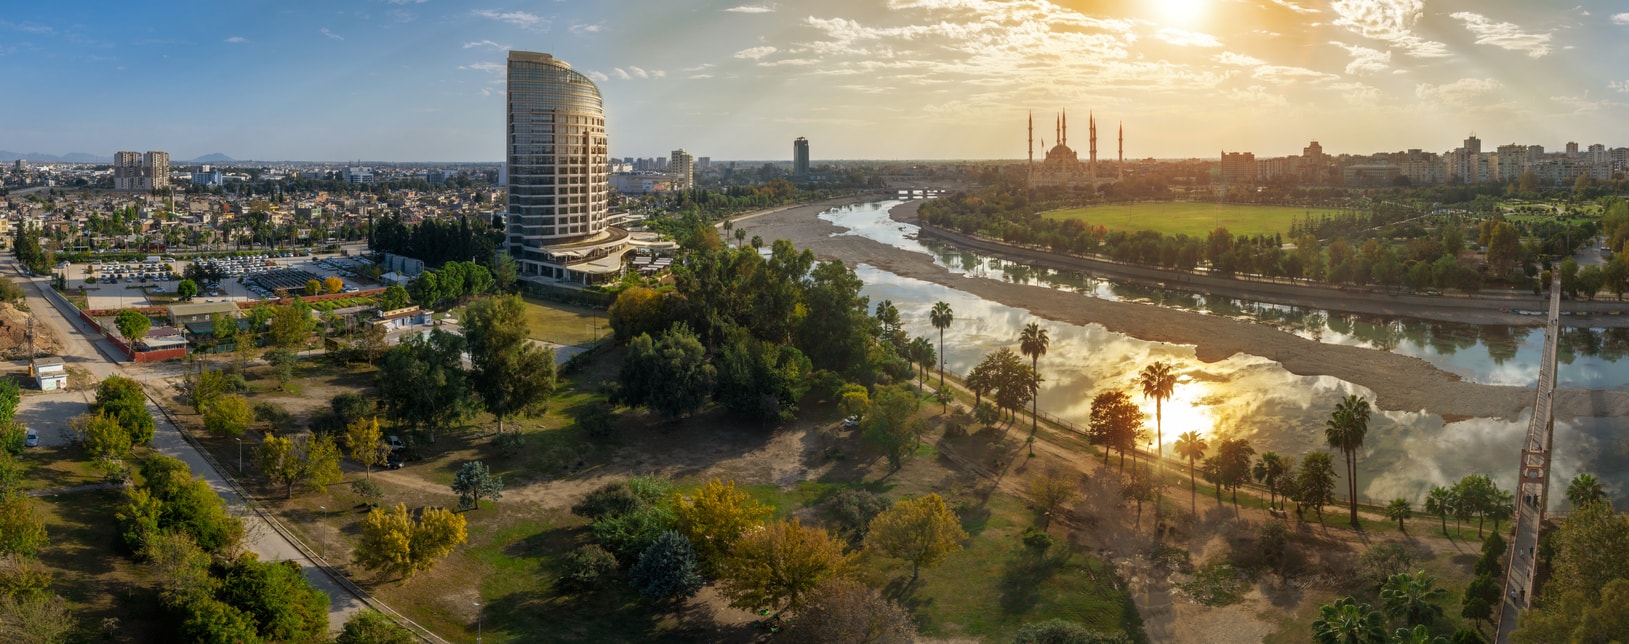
559	190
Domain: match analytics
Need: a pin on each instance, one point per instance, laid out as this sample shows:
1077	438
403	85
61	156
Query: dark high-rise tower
800	156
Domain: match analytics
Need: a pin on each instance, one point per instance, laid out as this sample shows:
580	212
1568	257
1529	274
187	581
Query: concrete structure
358	175
683	169
556	222
49	374
406	266
181	314
399	319
136	172
1238	168
800	156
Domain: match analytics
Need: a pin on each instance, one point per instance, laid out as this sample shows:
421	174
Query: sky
422	80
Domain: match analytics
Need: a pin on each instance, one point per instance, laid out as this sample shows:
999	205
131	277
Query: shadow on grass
86	552
1027	570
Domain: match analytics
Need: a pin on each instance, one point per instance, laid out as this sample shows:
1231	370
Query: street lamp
324	552
477	622
240	456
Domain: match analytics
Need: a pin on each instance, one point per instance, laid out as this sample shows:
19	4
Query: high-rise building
800	156
1572	149
559	189
1238	168
683	169
137	172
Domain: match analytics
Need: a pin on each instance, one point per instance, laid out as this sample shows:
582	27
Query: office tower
800	156
559	189
683	170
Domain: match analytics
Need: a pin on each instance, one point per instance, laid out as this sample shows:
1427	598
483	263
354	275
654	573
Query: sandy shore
1399	382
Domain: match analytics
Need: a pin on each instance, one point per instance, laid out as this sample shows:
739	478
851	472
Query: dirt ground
14	335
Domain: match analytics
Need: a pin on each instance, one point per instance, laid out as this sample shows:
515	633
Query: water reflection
1495	355
1249	396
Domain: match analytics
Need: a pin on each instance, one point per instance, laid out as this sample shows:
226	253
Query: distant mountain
71	157
214	158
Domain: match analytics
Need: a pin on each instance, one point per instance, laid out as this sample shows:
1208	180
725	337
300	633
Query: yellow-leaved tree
715	517
394	543
777	567
921	531
365	443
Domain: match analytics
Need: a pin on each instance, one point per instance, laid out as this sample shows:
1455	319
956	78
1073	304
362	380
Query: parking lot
122	285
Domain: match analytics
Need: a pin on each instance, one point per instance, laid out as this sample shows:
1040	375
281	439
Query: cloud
751	8
1182	38
490	67
1241	60
1622	86
1462	93
29	27
324	31
755	53
1620	19
406	1
789	62
1391	21
236	40
1287	4
699	76
1364	60
701	67
598	77
588	29
1504	35
520	19
486	43
633	72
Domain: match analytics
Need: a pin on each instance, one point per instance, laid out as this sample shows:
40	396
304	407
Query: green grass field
1189	218
563	323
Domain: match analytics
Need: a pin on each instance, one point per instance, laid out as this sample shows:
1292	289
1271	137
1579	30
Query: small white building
49	373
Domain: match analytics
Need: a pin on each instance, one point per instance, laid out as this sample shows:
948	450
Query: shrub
588	568
368	490
666	569
1057	631
350	407
1037	540
371	627
272	413
850	511
509	443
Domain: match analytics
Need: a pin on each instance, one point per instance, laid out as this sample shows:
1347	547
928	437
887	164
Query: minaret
1057	129
1121	168
1064	140
1091	126
1032	138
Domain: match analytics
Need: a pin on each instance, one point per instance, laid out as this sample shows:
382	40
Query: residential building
137	172
683	170
1238	168
800	156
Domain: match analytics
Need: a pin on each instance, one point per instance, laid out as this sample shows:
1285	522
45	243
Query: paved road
98	358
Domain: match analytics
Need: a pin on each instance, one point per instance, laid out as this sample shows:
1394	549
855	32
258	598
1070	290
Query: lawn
84	555
565	324
1190	218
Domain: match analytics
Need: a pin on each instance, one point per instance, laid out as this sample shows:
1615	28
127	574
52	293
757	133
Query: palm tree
1398	510
1158	382
1412	597
1585	488
1191	446
1033	342
1236	455
1345	430
1267	470
1418	635
1347	622
1440	501
941	317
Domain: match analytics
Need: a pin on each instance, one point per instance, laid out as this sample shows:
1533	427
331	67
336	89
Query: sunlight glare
1183	412
1180	12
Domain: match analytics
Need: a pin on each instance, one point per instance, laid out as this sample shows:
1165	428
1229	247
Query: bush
509	443
628	535
266	412
850	511
371	627
1037	540
597	420
588	568
1382	561
622	497
666	569
367	489
350	408
1057	631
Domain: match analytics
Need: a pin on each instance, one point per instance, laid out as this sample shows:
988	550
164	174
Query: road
99	358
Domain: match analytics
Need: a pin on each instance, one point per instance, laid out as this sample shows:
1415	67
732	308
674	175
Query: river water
1249	396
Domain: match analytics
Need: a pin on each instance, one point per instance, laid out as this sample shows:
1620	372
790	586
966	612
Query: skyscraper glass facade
558	185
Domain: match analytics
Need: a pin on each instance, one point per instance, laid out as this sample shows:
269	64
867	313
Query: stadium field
1190	218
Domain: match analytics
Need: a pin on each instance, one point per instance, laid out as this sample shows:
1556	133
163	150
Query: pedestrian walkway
1533	482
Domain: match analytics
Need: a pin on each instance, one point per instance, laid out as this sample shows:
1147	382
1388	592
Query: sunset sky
892	79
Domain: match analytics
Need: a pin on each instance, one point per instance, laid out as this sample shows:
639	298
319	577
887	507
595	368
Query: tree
372	627
588	568
422	381
921	531
1234	456
1157	381
277	597
1315	483
333	285
1115	423
228	415
290	325
1191	446
1440	501
394	543
102	436
1417	635
1585	488
714	518
759	379
37	618
123	399
1345	431
890	426
1576	617
186	289
1052	489
1398	510
776	568
474	482
1347	622
366	444
133	325
313	287
667	569
1268	469
941	316
1412	597
22	530
1592	549
671	376
394	297
310	462
843	610
1034	342
511	374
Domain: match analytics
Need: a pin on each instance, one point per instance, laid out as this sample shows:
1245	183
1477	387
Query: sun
1180	12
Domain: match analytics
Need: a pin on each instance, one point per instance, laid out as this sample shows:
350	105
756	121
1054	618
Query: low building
399	319
181	314
51	374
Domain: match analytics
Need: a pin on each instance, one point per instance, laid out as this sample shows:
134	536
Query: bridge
1533	482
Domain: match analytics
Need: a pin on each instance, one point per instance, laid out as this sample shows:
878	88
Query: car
395	460
395	443
32	439
851	422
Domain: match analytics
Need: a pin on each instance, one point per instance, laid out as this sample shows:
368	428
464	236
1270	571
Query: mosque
1062	167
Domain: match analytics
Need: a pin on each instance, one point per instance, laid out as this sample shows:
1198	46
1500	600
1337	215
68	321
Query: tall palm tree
941	316
1440	501
1267	470
1345	431
1033	342
1412	597
1418	635
1399	509
1157	382
1585	488
1347	622
1191	446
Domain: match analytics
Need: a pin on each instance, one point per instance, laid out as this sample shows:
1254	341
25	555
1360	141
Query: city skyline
308	81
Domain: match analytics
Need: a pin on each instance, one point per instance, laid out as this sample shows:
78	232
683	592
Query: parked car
851	422
32	439
395	460
395	443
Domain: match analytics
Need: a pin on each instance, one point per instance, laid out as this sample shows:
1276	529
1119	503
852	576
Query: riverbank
1400	382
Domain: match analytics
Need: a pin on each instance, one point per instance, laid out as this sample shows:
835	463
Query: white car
32	439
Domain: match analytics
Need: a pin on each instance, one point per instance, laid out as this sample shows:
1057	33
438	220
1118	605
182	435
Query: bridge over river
1533	482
